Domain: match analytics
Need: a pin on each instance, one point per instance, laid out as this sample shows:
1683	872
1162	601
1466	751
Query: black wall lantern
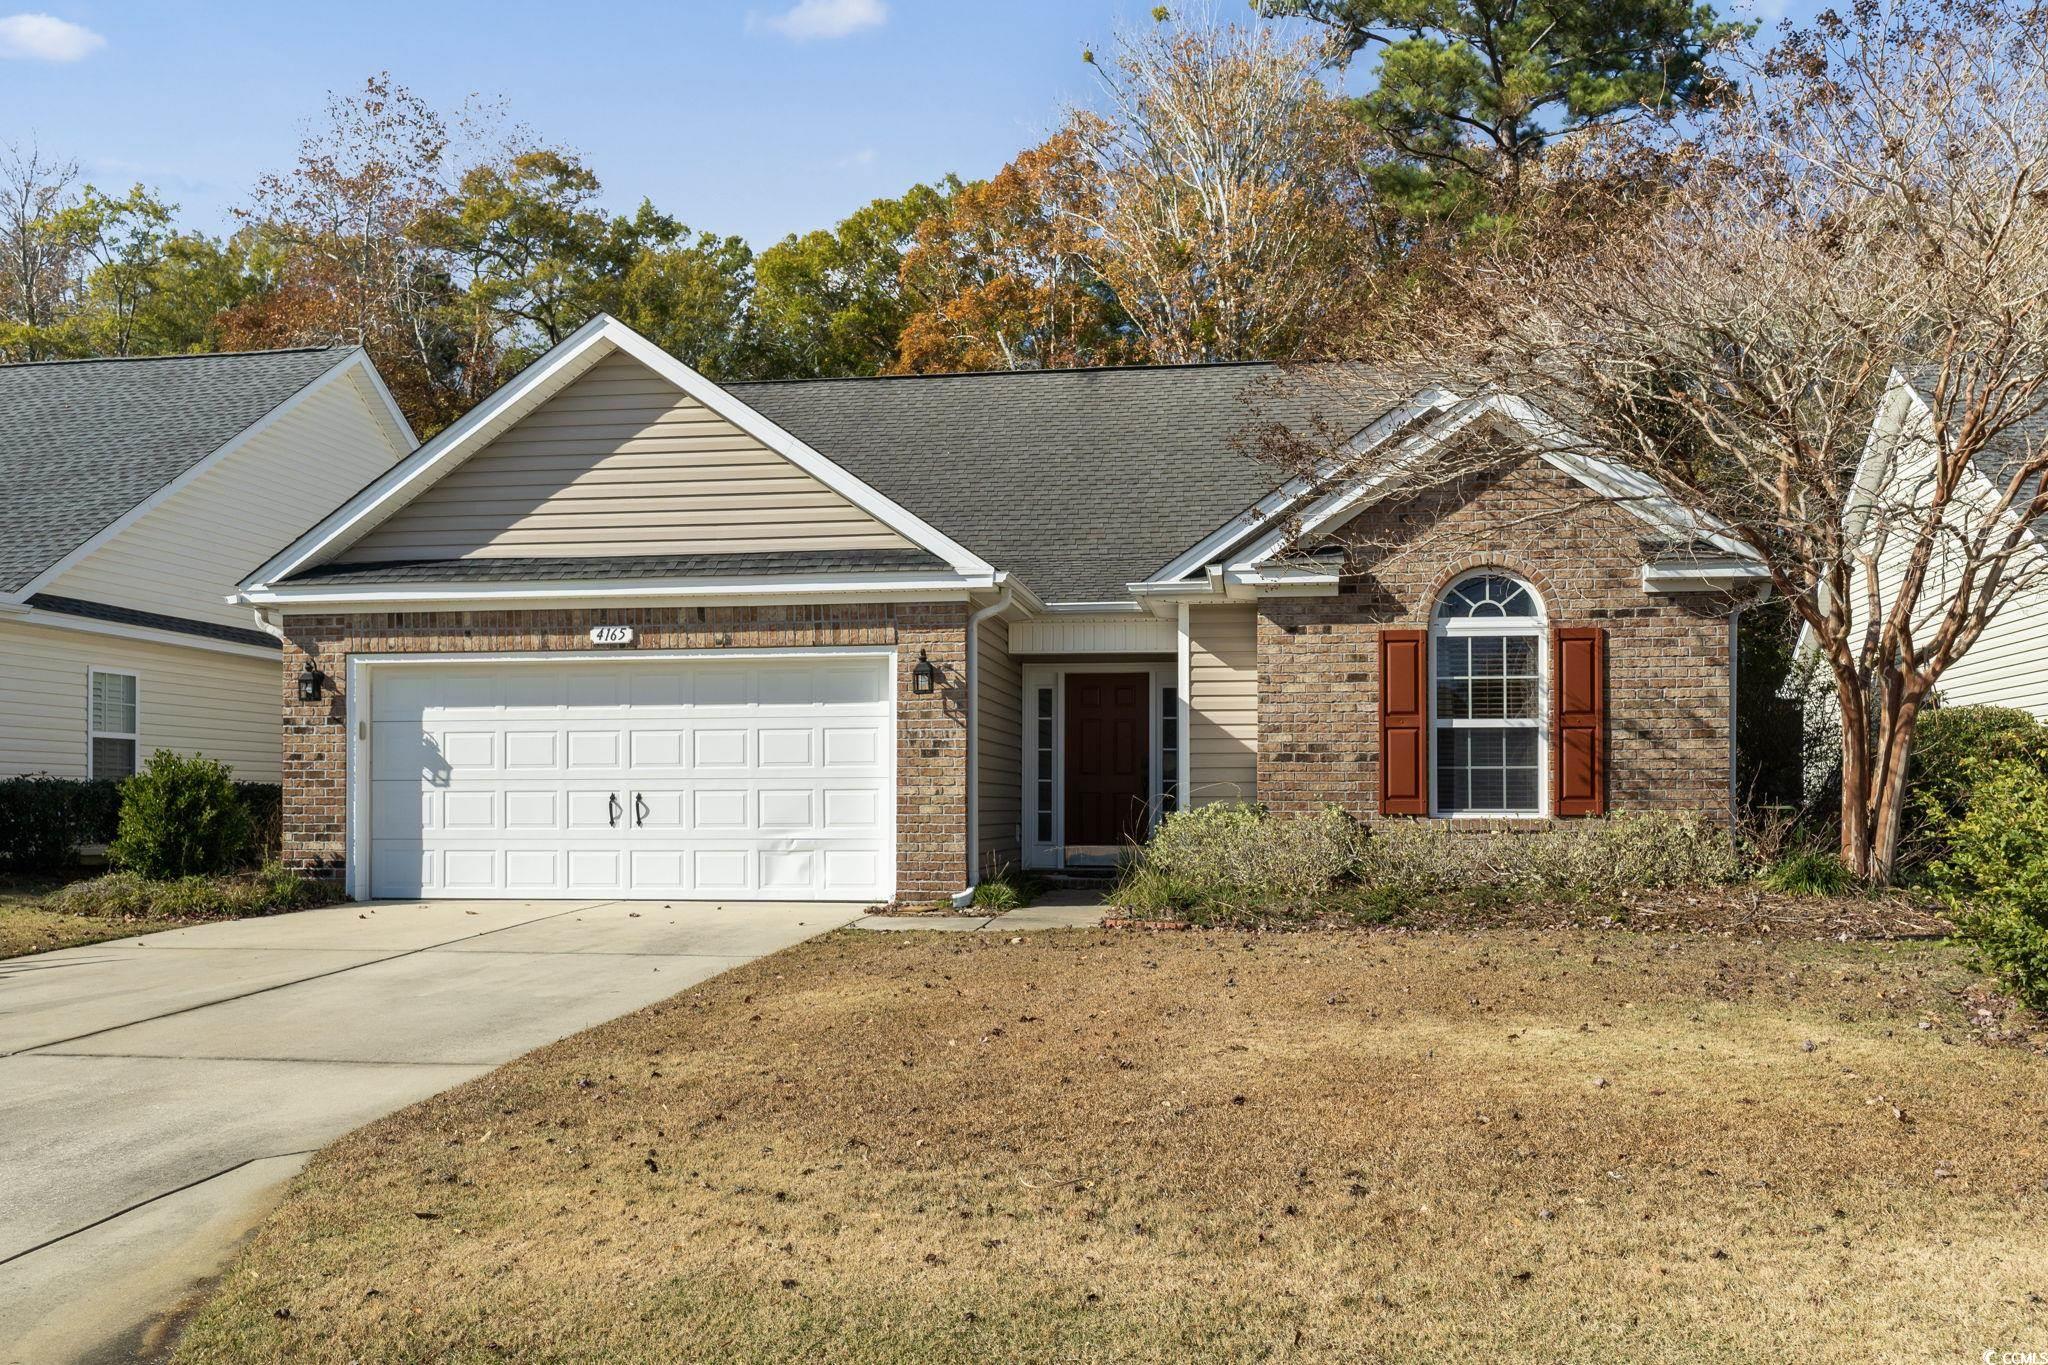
309	682
924	676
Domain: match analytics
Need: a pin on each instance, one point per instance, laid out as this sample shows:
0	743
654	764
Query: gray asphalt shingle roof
1080	481
83	441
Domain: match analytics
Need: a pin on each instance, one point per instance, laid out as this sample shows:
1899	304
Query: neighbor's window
111	705
1489	656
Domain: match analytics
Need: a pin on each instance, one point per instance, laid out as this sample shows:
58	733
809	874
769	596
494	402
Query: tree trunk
1890	794
1857	761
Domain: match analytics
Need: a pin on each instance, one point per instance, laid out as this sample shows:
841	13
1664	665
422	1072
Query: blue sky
759	117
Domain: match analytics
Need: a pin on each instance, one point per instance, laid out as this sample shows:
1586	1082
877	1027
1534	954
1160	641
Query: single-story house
622	631
134	495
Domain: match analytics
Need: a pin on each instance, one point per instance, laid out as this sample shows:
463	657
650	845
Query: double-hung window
113	703
1489	657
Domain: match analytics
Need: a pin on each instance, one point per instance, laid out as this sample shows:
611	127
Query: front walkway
156	1092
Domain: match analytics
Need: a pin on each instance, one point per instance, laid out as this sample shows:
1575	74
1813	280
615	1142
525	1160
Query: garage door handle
639	810
615	809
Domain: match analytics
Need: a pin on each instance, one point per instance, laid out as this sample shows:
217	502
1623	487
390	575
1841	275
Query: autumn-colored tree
1002	280
37	253
353	266
1221	192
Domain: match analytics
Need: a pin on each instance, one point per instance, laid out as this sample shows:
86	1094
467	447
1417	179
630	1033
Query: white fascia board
1233	532
1692	576
58	620
177	485
511	594
1278	581
1093	608
404	479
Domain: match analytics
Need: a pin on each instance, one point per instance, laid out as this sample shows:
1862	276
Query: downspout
972	680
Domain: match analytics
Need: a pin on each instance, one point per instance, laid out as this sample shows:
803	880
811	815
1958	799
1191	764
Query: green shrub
44	820
1006	889
127	895
1809	872
1951	746
180	817
1994	869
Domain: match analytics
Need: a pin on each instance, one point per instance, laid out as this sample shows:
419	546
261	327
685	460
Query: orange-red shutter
1579	731
1404	722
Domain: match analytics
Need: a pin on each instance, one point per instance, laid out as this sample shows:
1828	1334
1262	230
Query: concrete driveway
156	1092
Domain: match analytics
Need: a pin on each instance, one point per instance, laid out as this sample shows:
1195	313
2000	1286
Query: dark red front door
1108	742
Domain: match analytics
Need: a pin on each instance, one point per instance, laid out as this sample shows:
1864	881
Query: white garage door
727	778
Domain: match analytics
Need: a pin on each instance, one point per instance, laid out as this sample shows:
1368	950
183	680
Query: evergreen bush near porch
180	817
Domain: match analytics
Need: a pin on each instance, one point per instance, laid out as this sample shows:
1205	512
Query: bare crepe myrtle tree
1825	333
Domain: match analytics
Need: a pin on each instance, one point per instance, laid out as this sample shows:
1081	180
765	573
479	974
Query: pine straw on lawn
1512	1144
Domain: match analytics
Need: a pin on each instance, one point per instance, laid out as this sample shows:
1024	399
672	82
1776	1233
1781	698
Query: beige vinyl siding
999	695
185	555
621	463
1223	704
2007	665
191	700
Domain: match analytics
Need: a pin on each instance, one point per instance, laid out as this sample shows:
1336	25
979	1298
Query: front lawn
40	913
28	926
1539	1144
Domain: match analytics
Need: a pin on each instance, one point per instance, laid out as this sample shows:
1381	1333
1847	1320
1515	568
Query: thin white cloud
46	38
809	19
864	156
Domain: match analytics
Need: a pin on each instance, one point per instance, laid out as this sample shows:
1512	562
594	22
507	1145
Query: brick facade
1667	657
931	738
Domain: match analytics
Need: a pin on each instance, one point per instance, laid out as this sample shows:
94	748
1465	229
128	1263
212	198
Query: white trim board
355	364
597	592
600	337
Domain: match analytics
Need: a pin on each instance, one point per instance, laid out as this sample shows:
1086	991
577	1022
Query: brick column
931	754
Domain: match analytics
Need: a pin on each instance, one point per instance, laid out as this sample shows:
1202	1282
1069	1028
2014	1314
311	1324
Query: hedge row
44	821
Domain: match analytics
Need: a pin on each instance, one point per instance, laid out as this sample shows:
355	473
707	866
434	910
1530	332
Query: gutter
965	896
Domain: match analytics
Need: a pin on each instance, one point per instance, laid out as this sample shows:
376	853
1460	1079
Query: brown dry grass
26	927
1516	1144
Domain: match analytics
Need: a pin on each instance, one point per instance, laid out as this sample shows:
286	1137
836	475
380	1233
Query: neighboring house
624	632
2007	665
134	495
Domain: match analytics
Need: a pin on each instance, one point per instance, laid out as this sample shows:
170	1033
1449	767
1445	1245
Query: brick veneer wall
1667	657
931	731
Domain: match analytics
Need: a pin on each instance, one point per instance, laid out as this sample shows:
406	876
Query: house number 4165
611	635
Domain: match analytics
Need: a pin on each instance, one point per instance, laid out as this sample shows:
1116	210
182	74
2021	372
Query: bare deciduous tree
1866	229
37	253
1220	191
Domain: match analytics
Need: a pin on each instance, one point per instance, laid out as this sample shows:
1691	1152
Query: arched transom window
1487	718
